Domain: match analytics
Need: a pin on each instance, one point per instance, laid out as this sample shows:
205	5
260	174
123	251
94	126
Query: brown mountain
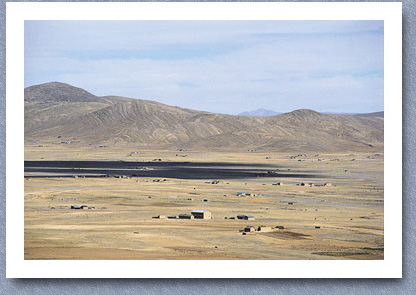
57	109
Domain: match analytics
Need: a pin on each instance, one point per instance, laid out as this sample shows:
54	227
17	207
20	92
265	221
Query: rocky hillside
55	110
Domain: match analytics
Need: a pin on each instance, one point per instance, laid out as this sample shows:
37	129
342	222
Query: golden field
342	221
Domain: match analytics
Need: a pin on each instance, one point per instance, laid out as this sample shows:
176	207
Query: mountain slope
56	91
49	104
115	120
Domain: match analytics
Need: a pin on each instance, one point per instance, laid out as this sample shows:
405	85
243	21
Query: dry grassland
119	224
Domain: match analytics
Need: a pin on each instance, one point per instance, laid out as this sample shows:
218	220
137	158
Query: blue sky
217	66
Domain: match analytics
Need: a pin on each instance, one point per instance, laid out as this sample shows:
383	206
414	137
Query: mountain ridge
114	120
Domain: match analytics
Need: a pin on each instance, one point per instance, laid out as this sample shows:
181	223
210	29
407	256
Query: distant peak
262	112
58	91
54	84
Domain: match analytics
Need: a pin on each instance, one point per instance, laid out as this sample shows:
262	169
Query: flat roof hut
264	229
249	228
186	216
201	214
160	217
245	217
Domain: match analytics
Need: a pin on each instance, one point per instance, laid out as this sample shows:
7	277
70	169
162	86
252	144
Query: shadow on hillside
160	169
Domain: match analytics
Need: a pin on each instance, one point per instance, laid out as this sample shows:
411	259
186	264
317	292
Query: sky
218	66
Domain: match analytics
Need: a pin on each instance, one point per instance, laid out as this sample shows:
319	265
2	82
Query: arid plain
312	182
340	220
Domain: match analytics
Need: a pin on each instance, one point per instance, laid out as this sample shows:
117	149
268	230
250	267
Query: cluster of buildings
119	176
81	207
310	184
202	214
242	217
245	194
298	156
195	214
161	180
261	228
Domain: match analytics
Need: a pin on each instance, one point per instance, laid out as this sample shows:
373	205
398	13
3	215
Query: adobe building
245	217
264	229
186	216
249	228
201	214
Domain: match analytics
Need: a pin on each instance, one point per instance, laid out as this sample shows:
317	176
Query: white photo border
389	267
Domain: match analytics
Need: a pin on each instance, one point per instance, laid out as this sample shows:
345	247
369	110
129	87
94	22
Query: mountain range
267	113
56	112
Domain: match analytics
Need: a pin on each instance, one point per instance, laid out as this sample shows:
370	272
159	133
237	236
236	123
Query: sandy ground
119	223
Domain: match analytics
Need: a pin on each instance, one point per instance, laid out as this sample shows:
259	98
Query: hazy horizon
226	67
238	114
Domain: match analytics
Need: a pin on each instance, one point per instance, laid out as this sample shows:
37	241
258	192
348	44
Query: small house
249	228
160	217
245	217
79	207
186	216
201	214
264	229
244	194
